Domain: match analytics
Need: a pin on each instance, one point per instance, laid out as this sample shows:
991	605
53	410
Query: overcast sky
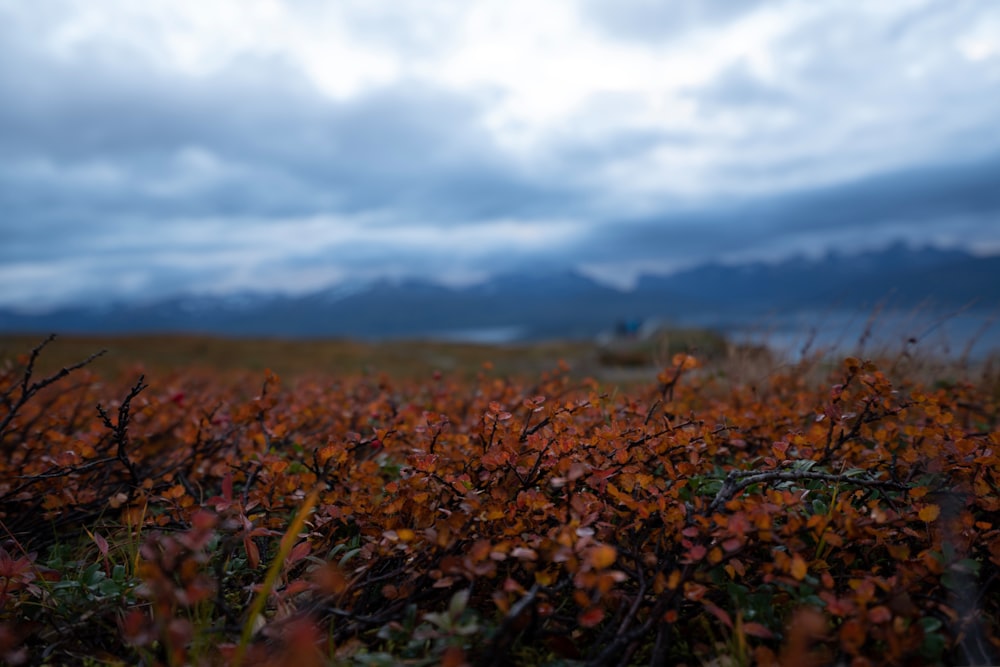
149	148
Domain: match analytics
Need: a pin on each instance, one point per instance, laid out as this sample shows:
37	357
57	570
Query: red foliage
799	525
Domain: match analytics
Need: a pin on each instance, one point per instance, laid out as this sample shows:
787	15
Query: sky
173	146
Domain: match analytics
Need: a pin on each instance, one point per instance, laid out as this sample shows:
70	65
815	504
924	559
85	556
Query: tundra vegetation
826	511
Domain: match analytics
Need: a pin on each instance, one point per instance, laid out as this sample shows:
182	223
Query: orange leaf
480	550
330	579
685	361
545	578
930	513
453	656
799	567
602	556
852	636
765	657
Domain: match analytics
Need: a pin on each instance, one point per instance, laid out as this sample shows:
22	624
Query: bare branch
119	430
738	480
29	388
500	640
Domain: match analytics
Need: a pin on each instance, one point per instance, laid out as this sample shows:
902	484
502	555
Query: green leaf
443	621
967	566
458	603
348	556
930	624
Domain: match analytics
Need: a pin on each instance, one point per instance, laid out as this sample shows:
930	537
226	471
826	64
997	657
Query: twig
29	388
119	430
512	615
737	480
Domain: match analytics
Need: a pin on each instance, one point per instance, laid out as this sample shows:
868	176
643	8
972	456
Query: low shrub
368	521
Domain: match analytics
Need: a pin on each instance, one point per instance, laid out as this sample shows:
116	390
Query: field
410	359
194	501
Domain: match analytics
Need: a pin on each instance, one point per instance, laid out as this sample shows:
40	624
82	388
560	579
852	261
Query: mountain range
565	304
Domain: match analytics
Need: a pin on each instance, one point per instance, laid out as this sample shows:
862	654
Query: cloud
255	137
146	149
658	20
944	204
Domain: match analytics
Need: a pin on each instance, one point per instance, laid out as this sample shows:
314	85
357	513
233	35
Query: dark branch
119	430
738	480
29	388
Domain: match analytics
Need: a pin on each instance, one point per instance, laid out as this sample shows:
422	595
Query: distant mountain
897	276
566	304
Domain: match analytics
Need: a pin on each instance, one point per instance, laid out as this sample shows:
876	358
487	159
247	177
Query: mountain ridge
558	304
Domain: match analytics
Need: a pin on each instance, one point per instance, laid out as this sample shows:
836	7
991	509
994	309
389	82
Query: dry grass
296	358
624	365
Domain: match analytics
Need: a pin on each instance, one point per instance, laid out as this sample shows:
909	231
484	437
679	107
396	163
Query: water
973	335
482	335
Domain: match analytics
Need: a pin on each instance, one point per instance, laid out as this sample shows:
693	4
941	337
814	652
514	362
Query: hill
555	305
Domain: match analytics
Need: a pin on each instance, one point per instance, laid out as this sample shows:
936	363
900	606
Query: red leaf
253	554
591	617
732	544
563	647
300	551
757	630
695	554
297	587
694	591
102	544
719	613
879	614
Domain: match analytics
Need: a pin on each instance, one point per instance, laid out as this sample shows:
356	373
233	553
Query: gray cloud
267	143
738	88
120	174
941	203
